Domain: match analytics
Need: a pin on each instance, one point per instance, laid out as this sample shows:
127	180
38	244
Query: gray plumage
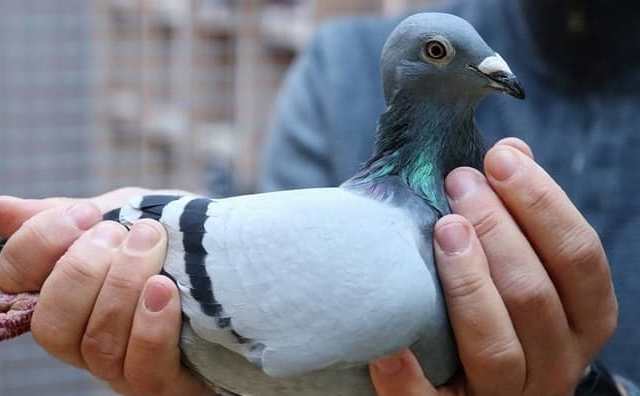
292	293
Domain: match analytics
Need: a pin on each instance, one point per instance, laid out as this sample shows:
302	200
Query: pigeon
293	292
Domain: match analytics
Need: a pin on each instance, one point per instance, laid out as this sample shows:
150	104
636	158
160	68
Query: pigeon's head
442	57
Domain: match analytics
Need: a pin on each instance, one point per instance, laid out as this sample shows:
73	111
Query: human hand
42	230
90	313
526	281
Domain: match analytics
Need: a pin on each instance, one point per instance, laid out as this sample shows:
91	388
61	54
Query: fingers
61	317
103	324
36	246
105	340
522	281
518	145
41	230
566	243
493	359
400	374
155	336
15	211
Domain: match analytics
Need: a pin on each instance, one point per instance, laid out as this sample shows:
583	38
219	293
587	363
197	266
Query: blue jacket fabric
586	135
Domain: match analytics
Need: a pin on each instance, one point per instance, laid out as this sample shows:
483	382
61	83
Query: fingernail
142	237
389	365
461	183
83	214
518	144
453	238
502	163
156	297
104	234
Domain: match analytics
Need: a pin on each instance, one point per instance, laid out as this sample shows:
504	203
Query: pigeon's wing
299	280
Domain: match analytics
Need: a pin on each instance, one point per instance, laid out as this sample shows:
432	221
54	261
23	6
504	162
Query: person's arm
297	149
598	381
627	387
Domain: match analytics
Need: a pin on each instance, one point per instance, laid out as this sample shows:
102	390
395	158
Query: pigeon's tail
143	207
113	215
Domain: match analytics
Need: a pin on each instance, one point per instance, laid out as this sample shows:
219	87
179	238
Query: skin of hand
102	307
526	281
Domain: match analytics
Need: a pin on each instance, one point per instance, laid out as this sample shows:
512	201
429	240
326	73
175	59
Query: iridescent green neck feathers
421	143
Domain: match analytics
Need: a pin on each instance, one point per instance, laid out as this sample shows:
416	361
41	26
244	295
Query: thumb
152	364
400	375
15	211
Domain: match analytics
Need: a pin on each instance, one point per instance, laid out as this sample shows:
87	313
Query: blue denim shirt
589	141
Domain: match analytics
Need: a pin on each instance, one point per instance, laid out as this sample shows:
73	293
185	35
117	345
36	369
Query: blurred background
102	94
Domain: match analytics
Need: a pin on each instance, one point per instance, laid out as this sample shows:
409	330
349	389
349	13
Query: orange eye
435	50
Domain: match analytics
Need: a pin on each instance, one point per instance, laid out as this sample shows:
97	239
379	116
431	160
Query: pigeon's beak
507	83
499	76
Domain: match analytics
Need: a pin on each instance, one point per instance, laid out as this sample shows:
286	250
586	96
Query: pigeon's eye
438	51
435	50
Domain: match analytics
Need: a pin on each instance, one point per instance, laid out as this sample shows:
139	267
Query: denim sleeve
629	388
598	381
297	153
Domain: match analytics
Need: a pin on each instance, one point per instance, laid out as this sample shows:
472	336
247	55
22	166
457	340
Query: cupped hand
41	231
102	307
526	281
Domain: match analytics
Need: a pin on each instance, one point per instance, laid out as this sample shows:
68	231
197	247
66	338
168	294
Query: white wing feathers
298	280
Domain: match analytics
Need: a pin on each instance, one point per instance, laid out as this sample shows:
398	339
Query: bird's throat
421	143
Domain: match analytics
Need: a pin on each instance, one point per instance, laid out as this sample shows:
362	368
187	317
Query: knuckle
125	284
148	342
530	296
540	198
487	224
37	237
12	271
464	287
103	354
77	269
582	251
535	297
500	353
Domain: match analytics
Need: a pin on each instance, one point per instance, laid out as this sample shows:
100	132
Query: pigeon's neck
421	143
